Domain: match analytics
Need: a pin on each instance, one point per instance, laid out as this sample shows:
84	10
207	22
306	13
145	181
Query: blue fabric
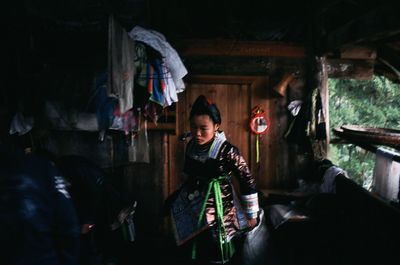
105	105
157	94
97	202
38	221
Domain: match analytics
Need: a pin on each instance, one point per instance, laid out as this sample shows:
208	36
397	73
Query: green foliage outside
373	102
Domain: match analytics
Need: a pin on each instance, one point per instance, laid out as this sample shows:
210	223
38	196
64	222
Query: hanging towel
386	174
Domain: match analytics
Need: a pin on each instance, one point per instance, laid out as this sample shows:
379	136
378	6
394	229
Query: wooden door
235	99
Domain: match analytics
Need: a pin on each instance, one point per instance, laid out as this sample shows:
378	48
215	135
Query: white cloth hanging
121	56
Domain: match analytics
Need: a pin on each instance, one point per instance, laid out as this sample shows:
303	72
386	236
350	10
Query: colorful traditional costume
209	170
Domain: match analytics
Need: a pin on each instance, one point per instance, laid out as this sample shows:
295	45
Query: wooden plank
281	151
177	147
237	117
225	47
166	166
241	111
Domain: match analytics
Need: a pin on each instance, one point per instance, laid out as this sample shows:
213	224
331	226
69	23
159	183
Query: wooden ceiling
366	30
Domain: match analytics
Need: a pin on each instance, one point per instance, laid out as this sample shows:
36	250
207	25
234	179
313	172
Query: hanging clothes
121	56
170	56
21	124
156	84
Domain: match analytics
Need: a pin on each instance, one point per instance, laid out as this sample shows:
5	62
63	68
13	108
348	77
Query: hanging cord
257	148
257	110
225	247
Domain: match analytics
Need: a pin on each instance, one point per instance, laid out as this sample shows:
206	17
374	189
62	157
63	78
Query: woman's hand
252	223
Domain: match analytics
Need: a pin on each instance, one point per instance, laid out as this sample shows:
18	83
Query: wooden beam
222	79
236	68
224	47
377	24
245	66
350	69
357	52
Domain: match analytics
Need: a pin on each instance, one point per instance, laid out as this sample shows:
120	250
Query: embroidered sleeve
241	170
250	205
247	182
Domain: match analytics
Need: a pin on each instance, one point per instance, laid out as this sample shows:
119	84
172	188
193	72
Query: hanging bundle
259	124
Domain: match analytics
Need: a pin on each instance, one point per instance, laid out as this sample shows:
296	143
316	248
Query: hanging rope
257	148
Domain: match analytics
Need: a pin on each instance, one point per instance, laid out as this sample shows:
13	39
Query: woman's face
203	128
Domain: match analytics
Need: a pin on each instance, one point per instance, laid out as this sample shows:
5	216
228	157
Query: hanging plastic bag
255	246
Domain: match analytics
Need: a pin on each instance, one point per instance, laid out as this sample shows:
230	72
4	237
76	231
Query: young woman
222	215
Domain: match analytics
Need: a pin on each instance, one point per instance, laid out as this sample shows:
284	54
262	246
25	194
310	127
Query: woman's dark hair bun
204	106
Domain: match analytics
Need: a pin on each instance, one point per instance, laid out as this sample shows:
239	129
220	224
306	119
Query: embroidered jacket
222	159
